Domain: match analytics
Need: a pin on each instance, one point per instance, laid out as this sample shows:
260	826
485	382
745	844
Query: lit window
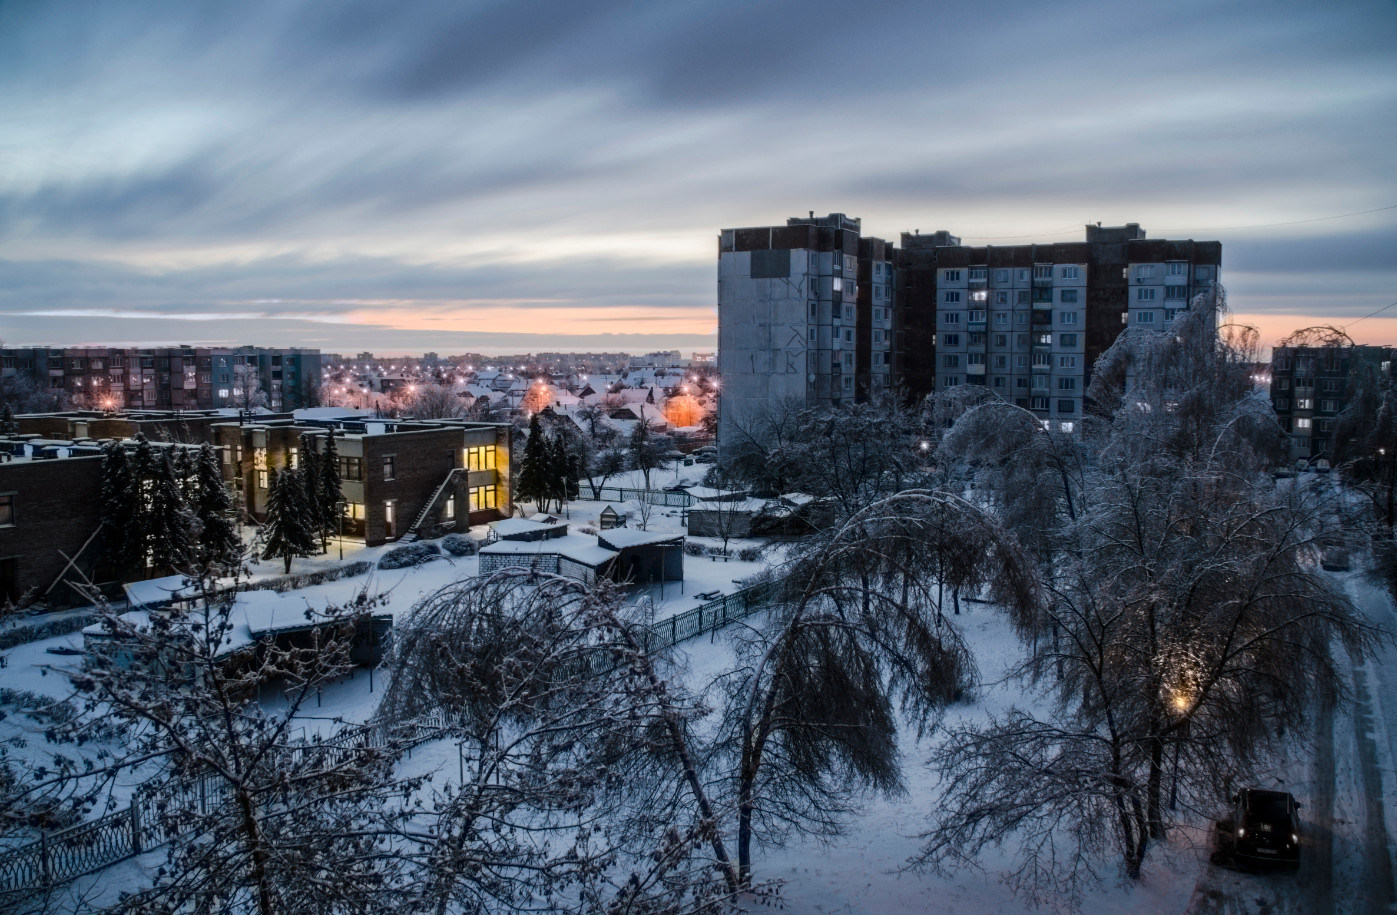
388	467
7	510
1302	423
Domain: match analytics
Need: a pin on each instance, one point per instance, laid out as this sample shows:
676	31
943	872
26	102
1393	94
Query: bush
283	583
413	554
694	549
749	554
459	545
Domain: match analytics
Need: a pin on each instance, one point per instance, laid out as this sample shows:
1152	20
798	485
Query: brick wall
57	508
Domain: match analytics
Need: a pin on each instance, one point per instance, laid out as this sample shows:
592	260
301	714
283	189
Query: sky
538	176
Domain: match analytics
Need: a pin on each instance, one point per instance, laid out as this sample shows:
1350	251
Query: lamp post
341	505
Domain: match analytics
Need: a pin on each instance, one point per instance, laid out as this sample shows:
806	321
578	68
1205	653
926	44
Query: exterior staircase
431	508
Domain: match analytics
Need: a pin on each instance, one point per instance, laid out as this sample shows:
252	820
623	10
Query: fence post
44	857
135	828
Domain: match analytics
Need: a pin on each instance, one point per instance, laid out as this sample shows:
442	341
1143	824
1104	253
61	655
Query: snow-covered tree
288	535
810	715
263	822
312	492
331	486
121	513
646	449
435	401
577	790
534	481
219	546
169	529
1186	625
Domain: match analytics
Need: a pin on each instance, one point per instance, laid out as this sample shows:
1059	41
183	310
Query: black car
1266	826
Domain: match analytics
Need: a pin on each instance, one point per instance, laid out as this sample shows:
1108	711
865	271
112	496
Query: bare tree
249	393
1186	626
265	824
574	755
853	636
435	401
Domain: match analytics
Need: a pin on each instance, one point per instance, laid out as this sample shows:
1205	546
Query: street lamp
341	505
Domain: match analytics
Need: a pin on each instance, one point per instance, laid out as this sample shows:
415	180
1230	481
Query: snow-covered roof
709	494
577	547
724	505
622	537
157	592
515	526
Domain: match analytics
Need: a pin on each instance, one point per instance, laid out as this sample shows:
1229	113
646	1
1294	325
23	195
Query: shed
610	518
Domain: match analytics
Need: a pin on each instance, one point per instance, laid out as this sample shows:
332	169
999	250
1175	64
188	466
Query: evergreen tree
534	468
560	487
120	511
218	538
331	492
171	532
287	533
309	474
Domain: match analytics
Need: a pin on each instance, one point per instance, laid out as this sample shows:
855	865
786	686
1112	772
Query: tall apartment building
1029	321
170	378
789	306
1026	321
1311	385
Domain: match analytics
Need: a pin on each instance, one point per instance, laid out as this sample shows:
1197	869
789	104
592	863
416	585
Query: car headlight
1294	839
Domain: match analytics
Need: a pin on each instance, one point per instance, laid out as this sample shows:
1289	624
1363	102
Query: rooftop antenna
812	214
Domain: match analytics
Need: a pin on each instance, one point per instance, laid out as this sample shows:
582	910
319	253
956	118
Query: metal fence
676	498
146	824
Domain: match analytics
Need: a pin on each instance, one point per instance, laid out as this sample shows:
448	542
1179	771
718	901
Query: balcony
975	369
1042	369
976	347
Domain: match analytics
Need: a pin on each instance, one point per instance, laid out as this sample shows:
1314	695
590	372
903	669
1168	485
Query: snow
622	537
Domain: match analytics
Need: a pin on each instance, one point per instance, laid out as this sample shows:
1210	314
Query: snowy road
1349	796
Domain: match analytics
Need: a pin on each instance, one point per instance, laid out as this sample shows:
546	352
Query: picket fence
64	855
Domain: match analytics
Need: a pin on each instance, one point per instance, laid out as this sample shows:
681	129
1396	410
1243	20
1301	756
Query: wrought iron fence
670	498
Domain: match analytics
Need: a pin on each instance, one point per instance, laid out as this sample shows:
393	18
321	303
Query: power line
1367	316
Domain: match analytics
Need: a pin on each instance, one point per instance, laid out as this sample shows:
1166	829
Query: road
1348	790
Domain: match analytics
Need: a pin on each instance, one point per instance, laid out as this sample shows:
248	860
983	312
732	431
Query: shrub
283	583
413	554
459	545
694	549
749	554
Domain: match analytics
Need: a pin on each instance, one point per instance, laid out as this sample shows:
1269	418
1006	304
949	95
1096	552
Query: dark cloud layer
192	158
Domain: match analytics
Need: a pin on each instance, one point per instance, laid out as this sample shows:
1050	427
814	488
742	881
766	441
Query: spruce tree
119	512
287	534
170	531
558	470
218	538
309	474
534	468
331	492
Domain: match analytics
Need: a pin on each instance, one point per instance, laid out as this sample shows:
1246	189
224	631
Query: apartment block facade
789	303
1026	321
1311	386
170	378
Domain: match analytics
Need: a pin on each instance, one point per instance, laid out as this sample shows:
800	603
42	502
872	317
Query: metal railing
665	497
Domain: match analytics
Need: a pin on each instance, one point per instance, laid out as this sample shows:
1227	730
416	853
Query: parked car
706	458
1266	827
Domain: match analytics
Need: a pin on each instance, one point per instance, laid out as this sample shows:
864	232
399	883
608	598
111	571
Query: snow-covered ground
1346	792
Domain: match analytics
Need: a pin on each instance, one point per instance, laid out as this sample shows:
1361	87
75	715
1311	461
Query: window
1331	385
1067	317
7	510
1001	339
1043	271
814	310
1329	406
838	284
450	506
1021	319
952	380
849	360
950	339
1001	297
352	468
1038	403
979	295
1178	268
1304	403
1067	384
950	361
1021	384
1067	362
1145	295
999	382
480	457
1066	406
1071	272
1144	271
1001	320
1177	293
1144	317
849	335
977	315
1302	422
1043	339
1282	384
262	479
388	467
1021	297
951	298
1067	426
1001	363
975	359
293	458
978	273
950	317
1067	340
1001	276
1021	361
951	276
1068	296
